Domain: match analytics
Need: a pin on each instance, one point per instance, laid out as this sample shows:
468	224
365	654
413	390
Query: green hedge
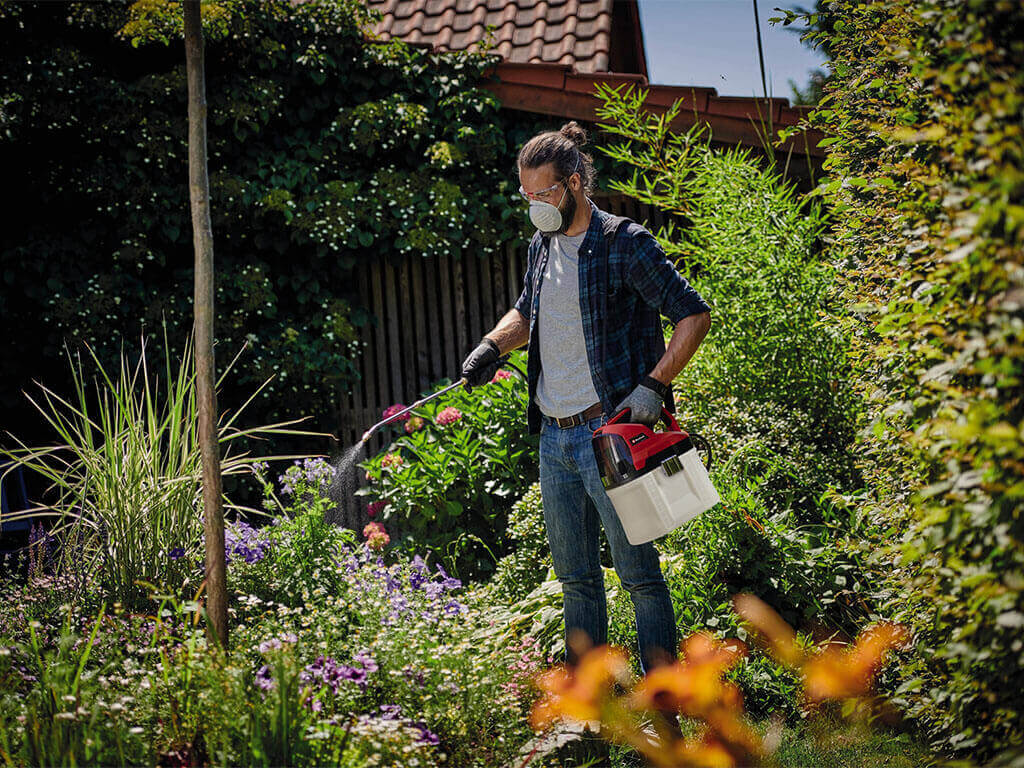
924	121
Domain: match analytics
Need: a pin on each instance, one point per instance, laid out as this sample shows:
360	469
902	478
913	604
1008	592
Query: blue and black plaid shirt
624	289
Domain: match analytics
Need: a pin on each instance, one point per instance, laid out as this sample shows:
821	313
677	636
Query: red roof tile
573	32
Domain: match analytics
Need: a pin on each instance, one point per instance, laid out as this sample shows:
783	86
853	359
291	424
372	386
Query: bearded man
595	288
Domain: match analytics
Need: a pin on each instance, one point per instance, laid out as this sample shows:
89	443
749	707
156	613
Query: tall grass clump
125	474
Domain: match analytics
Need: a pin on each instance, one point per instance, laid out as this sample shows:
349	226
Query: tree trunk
202	239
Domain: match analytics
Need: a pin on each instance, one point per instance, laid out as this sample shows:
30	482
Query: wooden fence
430	313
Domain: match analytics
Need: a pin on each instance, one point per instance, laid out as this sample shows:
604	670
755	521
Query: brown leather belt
580	418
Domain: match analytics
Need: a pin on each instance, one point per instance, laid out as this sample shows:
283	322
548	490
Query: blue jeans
574	502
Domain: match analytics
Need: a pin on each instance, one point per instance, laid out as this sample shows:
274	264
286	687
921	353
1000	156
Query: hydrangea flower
449	416
501	375
415	424
392	460
391	410
375	507
376	536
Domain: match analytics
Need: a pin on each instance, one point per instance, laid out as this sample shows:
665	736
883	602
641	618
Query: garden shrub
768	371
446	483
925	164
524	568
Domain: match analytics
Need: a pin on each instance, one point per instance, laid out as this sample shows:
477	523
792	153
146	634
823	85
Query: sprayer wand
418	403
502	361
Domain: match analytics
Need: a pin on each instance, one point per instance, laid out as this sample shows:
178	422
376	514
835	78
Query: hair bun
574	133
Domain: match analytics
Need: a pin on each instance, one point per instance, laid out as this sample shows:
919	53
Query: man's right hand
481	365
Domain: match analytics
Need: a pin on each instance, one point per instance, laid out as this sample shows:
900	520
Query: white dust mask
545	216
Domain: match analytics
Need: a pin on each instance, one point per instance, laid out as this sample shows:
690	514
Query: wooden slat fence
430	312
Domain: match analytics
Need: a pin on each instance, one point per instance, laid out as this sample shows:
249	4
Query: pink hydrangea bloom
375	507
391	460
501	375
415	424
376	536
448	416
391	410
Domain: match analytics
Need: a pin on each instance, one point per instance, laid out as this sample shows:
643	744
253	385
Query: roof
555	51
584	34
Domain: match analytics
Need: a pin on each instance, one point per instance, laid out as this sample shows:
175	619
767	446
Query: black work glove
645	402
481	365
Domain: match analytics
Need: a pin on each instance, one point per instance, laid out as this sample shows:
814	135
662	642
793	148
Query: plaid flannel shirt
623	290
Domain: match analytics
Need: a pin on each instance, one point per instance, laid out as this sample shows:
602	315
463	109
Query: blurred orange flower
836	673
690	685
780	636
577	693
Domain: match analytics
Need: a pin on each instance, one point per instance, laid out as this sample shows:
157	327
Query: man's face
543	184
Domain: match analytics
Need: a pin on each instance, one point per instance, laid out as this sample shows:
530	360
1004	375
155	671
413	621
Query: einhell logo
637	439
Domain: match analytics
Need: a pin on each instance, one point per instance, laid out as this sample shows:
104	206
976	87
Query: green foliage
451	477
524	568
926	181
127	472
769	370
768	388
325	150
64	722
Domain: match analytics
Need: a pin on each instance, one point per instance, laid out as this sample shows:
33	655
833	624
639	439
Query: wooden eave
559	90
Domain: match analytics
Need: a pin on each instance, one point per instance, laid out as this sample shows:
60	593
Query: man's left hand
644	404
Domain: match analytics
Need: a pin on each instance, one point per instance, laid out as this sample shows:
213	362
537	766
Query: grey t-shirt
565	387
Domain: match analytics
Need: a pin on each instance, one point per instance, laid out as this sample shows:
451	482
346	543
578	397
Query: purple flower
264	679
425	736
176	554
364	658
390	712
447	581
327	672
243	542
418	573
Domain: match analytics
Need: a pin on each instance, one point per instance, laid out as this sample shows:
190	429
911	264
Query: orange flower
780	636
577	693
706	753
691	685
838	674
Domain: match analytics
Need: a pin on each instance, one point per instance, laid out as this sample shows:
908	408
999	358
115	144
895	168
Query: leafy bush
768	371
923	123
447	484
524	568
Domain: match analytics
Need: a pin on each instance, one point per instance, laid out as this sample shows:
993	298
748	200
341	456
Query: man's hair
561	148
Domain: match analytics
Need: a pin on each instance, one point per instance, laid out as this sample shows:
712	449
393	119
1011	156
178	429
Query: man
594	290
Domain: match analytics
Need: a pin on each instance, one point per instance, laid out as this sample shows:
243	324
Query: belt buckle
570	421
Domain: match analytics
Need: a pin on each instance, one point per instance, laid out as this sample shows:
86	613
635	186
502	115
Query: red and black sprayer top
626	451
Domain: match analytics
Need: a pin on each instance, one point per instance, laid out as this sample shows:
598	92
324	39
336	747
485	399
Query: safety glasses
543	195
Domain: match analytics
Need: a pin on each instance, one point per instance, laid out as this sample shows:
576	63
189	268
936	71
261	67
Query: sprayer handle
667	417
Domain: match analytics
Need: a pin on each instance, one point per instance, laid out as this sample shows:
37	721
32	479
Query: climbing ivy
925	133
326	149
